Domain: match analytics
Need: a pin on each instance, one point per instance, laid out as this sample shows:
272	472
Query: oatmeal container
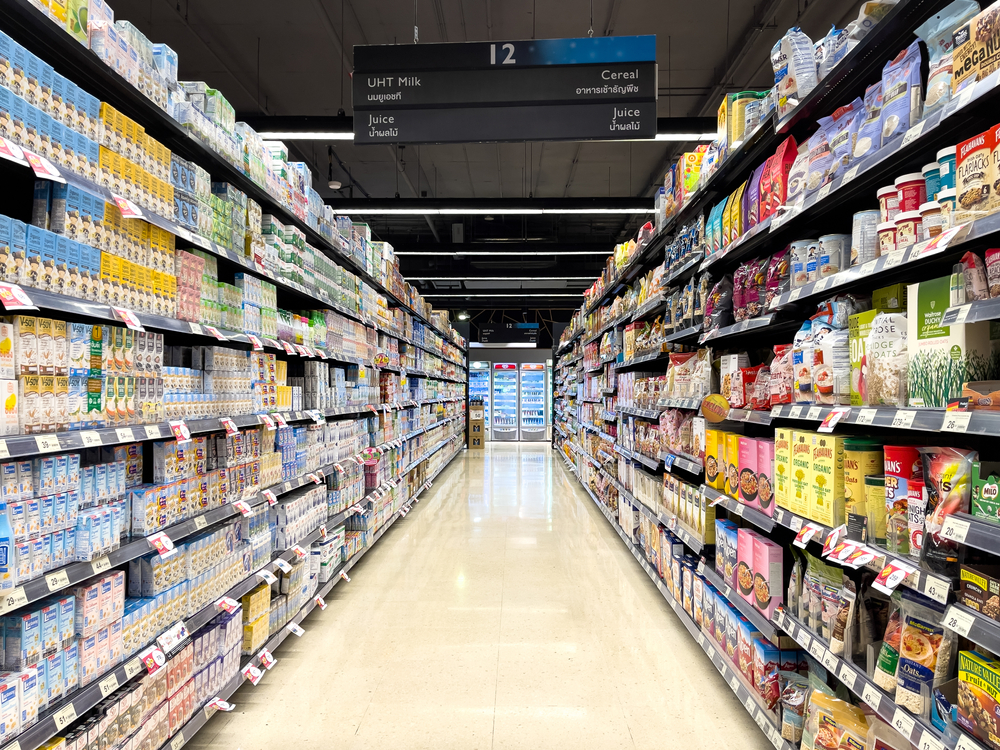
886	238
946	167
908	229
800	262
930	218
912	191
864	237
888	202
946	199
932	179
834	254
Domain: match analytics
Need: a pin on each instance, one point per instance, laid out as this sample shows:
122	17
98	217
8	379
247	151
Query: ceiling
290	59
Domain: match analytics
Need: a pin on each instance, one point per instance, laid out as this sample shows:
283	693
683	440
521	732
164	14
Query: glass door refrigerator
479	387
549	387
505	403
533	379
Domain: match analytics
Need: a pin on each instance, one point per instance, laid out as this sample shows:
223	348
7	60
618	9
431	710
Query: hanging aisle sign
601	88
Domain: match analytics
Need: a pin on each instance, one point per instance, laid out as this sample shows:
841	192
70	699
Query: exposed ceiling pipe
609	28
442	26
406	179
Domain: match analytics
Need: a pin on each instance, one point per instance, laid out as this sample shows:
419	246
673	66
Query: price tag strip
171	638
893	574
252	673
162	544
295	629
283	565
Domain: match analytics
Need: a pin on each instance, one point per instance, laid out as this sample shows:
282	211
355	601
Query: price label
15	599
936	588
180	431
320	602
959	620
242	507
283	565
738	509
230	426
4	452
90	439
220	705
795	524
795	412
200	522
322	531
101	565
966	743
133	668
734	683
255	343
817	650
806	533
847	676
871	695
956	421
795	294
228	604
266	660
196	329
12	152
829	660
47	443
299	552
929	742
212	330
317	416
152	432
321	354
266	420
893	259
294	629
823	191
902	722
903	419
912	134
152	658
893	574
749	705
14	298
271	498
129	318
850	174
177	742
108	685
57	581
289	349
815	412
279	419
162	544
955	529
171	638
252	674
823	284
64	717
866	416
267	576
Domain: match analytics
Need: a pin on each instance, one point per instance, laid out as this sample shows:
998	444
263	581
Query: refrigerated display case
505	401
479	387
533	401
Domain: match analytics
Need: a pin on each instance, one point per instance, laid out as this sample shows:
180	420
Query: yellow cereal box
802	472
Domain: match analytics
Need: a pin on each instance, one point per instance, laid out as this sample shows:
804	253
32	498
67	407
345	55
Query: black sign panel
549	89
579	122
509	333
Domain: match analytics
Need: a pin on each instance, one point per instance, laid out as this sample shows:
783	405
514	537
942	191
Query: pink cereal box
767	579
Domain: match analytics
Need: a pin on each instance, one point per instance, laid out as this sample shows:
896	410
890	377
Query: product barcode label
815	412
749	705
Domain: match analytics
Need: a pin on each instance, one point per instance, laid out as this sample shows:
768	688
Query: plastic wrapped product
992	271
936	32
754	289
837	311
832	49
844	620
778	279
798	177
842	133
782	381
901	93
719	305
794	693
888	655
702	292
886	360
832	368
926	650
948	483
869	138
869	15
820	158
975	275
739	292
794	62
784	157
802	356
833	723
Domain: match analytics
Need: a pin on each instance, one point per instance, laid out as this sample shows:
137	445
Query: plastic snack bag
869	138
925	652
842	133
888	655
901	93
937	35
948	481
974	273
719	305
832	49
794	62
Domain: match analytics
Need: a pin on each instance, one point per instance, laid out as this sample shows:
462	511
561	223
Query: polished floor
504	612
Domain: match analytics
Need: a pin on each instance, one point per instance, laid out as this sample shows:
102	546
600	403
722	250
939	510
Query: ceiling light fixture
463	315
505	252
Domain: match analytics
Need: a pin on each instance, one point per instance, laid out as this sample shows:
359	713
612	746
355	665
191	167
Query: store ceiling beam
490	206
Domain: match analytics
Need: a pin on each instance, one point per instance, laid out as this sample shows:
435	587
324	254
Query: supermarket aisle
504	612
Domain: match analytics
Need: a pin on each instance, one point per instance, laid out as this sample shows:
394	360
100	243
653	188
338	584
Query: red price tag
14	297
215	332
43	167
227	604
272	500
807	532
162	544
322	531
279	418
321	354
255	342
301	350
830	420
180	431
373	409
230	426
129	318
127	208
152	658
315	479
833	539
320	602
266	660
343	574
860	556
289	349
893	574
299	552
242	507
252	674
267	421
12	152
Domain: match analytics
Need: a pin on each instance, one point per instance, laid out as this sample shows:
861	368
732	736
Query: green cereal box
985	491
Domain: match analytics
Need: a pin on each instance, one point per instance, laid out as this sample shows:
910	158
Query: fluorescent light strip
685	137
466	294
361	211
304	136
500	278
506	252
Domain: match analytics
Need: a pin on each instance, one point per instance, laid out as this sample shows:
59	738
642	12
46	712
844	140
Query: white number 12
508	48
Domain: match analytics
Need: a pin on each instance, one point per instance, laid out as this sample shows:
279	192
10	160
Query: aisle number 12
508	48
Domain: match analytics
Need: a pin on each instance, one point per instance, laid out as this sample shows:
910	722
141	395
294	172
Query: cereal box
744	563
767	578
783	467
747	468
827	500
972	177
732	464
800	496
765	475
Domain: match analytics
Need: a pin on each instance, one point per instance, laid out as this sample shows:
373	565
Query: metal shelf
653	304
758	518
682	403
749	415
744	325
975	422
653	414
